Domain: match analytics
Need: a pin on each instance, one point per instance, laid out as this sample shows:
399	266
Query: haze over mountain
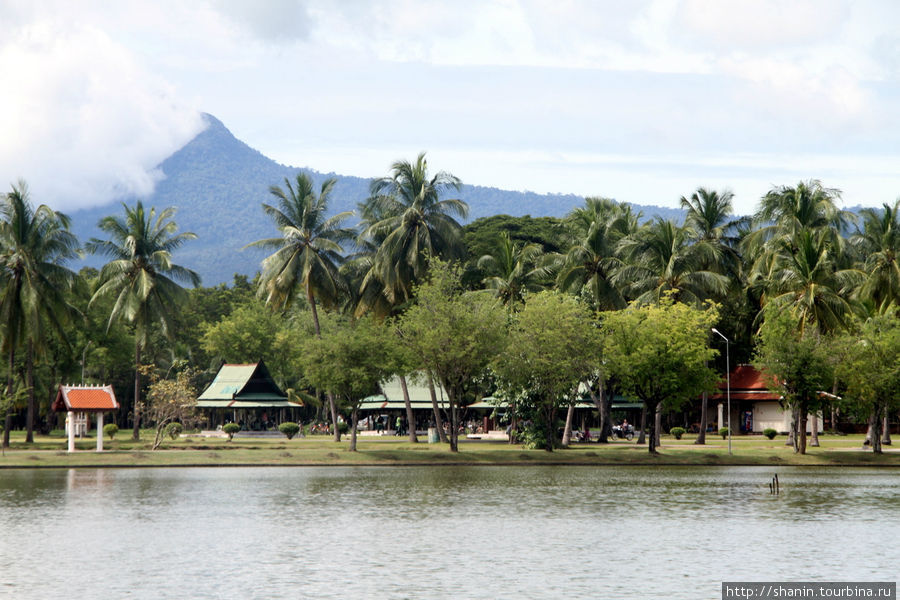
217	183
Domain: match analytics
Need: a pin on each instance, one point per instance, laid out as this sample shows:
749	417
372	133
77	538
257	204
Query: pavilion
77	401
248	393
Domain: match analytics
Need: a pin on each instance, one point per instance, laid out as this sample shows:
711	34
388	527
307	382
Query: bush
770	433
723	432
677	432
110	430
289	429
173	430
343	427
231	429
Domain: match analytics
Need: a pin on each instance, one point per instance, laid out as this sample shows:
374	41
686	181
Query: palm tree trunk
29	381
331	403
454	423
136	433
814	429
651	445
567	431
641	438
410	417
701	436
876	431
886	431
9	391
437	411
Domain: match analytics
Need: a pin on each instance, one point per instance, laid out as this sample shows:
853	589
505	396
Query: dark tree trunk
136	432
704	416
354	422
410	417
648	407
606	392
550	426
802	428
7	424
657	424
641	437
454	421
877	421
29	381
438	421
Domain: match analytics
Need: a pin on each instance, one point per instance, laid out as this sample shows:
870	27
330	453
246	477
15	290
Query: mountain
217	183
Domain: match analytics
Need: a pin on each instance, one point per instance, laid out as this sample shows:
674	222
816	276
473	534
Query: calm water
476	532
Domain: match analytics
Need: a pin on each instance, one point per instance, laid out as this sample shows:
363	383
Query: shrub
770	433
343	427
173	430
110	430
723	432
289	429
231	429
677	432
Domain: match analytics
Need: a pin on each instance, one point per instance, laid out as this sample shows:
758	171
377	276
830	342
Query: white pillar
721	416
70	417
99	432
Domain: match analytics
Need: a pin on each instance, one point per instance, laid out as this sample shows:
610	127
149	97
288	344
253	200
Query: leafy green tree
172	401
35	244
250	334
350	360
454	335
307	254
797	363
659	354
553	346
870	370
141	278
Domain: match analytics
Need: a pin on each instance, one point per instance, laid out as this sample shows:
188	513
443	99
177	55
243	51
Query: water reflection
530	532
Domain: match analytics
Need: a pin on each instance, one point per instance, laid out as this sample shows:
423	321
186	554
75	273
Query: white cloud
82	122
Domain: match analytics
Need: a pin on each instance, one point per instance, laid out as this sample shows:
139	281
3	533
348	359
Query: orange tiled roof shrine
81	398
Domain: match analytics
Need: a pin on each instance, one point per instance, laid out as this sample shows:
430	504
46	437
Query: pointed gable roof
85	398
243	386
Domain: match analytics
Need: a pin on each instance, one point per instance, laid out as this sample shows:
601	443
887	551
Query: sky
642	101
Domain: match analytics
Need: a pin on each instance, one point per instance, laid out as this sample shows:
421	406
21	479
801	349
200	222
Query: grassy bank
50	451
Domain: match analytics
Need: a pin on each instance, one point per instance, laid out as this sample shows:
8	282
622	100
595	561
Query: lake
445	532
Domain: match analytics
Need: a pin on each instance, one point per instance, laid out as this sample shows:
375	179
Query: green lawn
50	451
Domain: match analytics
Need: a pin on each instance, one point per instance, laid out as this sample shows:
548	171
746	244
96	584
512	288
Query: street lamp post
728	380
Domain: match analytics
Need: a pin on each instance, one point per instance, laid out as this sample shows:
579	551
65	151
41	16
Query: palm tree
807	281
878	244
660	258
141	277
34	246
416	225
411	223
591	262
513	270
307	255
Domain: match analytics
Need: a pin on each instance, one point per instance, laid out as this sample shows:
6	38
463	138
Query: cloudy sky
642	101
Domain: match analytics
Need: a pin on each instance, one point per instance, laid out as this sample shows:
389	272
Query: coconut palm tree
141	278
589	265
417	224
807	281
408	219
35	244
660	258
513	270
308	253
878	244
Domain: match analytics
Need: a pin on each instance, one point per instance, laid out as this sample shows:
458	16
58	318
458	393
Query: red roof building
80	398
747	383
